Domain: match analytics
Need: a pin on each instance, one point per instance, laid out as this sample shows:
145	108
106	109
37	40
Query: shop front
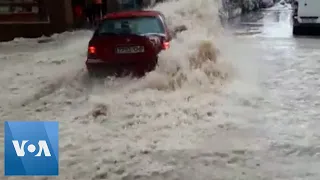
34	18
130	4
135	4
94	10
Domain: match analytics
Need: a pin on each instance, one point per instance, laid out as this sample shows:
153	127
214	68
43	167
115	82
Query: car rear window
135	25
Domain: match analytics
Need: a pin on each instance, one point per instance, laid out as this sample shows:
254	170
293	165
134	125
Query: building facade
35	18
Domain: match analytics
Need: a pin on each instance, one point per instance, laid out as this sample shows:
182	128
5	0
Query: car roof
133	13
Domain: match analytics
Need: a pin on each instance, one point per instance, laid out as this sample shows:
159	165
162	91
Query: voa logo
31	148
42	148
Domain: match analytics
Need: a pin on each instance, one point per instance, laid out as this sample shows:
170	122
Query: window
137	25
23	11
128	4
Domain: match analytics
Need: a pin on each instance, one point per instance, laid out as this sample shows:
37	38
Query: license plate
94	61
130	50
309	20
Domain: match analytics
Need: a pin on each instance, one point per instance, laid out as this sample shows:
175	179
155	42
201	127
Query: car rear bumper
100	66
310	25
297	22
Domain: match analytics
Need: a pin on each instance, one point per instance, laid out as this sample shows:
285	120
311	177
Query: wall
112	6
61	19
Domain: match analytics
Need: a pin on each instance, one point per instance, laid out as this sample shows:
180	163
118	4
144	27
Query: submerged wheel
152	66
296	30
91	74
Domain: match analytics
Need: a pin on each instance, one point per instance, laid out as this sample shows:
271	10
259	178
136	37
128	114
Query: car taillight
165	45
92	50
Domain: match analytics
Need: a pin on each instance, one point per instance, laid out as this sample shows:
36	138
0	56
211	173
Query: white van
306	14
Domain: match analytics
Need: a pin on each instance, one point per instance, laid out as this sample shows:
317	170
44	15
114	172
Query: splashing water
199	57
200	60
171	108
193	56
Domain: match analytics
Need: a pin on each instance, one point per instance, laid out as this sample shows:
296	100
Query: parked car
128	42
306	14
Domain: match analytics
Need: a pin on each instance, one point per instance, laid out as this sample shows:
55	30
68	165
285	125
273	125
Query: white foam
175	107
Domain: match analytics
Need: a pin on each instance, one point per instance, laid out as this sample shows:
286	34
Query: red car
128	40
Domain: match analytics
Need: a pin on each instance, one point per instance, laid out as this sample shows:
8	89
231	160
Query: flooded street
243	104
291	114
